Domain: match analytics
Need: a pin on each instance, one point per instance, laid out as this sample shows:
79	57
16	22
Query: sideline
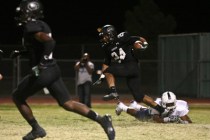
47	99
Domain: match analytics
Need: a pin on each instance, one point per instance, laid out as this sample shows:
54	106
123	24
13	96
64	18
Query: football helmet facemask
107	33
168	100
28	10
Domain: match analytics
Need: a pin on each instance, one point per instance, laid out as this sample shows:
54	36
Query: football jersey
120	50
181	109
34	47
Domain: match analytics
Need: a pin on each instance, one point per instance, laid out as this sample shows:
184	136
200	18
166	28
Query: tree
148	21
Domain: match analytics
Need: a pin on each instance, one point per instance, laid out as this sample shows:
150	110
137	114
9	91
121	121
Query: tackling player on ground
39	45
177	110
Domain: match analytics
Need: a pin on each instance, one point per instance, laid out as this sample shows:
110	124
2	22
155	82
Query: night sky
82	17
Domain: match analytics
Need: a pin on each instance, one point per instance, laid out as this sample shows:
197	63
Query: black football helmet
107	33
28	10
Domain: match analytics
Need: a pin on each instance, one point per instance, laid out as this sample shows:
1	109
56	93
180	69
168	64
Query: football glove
100	80
172	118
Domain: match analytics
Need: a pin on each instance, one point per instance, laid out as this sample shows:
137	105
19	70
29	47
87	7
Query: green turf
62	125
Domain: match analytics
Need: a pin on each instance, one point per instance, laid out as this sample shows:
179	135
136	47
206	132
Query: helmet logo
169	96
33	6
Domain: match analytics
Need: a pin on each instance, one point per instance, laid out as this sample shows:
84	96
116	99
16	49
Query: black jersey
121	50
34	47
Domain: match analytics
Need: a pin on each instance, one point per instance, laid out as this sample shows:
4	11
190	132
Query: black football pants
49	78
130	71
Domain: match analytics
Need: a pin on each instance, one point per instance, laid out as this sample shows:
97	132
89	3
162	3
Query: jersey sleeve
133	39
33	27
125	37
182	108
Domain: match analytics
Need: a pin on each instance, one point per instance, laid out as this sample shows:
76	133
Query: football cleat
119	109
111	96
34	134
135	105
106	123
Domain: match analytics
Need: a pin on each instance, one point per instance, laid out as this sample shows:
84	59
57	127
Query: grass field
62	125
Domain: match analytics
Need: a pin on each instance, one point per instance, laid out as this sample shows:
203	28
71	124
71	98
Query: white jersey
181	109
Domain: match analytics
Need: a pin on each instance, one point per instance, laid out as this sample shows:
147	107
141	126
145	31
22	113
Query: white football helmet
168	100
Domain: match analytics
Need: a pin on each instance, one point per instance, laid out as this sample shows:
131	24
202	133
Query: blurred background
178	34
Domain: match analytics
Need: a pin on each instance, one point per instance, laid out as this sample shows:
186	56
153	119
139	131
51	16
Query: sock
159	108
113	89
123	107
33	123
92	115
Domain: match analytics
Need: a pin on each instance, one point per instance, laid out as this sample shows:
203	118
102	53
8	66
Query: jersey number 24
119	57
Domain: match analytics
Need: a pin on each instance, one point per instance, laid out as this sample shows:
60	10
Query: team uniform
49	74
181	109
120	58
45	73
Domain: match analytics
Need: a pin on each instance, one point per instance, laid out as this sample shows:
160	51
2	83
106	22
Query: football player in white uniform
177	110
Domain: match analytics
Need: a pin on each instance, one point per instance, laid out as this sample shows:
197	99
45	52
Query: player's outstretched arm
185	119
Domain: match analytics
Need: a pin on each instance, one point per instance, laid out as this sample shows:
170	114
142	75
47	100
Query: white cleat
135	105
119	108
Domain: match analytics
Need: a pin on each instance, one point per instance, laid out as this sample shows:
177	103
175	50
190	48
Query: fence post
16	71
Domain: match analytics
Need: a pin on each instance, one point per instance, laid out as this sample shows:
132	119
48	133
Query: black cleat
34	134
106	123
111	96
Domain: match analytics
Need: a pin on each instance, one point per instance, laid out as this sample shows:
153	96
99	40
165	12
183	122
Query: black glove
15	54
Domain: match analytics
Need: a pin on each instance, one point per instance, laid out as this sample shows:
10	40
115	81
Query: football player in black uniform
120	62
39	46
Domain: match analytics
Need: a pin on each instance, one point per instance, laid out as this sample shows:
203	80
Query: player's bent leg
105	121
111	83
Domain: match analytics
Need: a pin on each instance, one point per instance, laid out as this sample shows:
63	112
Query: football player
120	62
39	46
177	110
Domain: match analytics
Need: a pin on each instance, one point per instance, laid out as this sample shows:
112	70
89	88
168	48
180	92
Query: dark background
74	23
78	20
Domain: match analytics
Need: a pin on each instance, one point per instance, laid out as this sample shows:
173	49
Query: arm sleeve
32	27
